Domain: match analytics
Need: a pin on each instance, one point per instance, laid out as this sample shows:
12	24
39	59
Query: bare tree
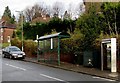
75	11
29	14
34	12
57	8
80	9
37	11
66	15
70	12
47	10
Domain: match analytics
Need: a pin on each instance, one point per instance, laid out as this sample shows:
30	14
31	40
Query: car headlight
14	54
23	53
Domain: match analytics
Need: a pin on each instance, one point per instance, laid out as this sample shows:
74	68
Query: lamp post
21	12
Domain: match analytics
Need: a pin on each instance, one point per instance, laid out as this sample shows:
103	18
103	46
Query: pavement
80	69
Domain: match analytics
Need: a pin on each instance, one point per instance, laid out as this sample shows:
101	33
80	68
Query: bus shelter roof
60	35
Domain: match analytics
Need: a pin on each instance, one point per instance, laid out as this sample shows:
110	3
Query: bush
30	47
16	42
73	45
5	45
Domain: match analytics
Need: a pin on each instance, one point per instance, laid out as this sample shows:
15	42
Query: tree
110	12
7	16
29	14
33	12
57	9
7	12
70	10
30	31
37	11
60	25
66	15
13	19
90	27
80	9
56	24
69	25
47	10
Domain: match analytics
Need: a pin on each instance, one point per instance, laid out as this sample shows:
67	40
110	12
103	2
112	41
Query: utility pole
21	13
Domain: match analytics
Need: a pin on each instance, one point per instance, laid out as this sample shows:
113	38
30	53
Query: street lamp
21	12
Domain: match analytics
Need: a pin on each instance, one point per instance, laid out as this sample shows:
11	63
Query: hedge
30	47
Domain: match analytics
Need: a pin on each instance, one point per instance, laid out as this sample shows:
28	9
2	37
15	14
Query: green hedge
30	47
5	45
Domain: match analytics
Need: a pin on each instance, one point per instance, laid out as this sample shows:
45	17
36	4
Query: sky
20	5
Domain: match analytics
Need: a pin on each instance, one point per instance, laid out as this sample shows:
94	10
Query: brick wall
7	32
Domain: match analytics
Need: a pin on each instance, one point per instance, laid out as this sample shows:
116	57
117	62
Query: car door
7	52
4	51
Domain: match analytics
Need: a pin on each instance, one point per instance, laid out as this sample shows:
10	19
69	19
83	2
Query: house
6	31
43	19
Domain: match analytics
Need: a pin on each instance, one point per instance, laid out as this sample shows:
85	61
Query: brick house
6	31
43	19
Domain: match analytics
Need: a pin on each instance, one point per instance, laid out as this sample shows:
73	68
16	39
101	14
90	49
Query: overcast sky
19	5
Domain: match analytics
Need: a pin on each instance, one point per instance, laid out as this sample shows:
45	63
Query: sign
51	43
8	39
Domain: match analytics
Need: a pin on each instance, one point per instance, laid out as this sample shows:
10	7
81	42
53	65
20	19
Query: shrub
74	43
73	46
16	42
5	45
30	47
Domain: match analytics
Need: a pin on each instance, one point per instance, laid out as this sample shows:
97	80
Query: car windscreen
14	49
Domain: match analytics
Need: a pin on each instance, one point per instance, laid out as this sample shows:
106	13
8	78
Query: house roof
60	34
41	19
10	25
5	24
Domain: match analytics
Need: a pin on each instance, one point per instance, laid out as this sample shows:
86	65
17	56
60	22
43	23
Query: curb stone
111	78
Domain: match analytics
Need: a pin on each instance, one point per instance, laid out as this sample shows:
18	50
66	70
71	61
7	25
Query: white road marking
54	78
16	67
103	78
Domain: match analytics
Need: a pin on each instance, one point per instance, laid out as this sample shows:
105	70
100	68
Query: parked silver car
13	52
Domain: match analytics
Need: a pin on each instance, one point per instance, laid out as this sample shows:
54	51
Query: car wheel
4	56
11	57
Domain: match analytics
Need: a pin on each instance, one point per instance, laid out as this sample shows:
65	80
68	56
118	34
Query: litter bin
88	58
78	58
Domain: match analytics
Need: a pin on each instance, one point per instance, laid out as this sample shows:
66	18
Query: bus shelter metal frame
59	36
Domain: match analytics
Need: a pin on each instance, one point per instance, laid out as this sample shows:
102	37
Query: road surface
18	70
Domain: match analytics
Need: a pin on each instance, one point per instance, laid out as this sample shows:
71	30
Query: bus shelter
49	47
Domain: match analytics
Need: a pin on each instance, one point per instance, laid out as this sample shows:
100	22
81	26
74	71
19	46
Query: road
18	70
